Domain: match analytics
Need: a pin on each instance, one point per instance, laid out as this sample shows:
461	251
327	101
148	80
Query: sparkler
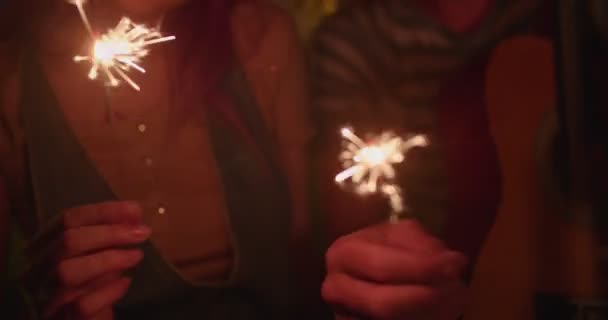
120	49
370	166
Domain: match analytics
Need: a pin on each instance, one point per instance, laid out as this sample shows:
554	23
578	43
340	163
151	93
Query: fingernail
133	257
141	233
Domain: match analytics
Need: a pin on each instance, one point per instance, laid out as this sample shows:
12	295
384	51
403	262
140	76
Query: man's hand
394	272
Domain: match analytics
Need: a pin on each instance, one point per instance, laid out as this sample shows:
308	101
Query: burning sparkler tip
370	165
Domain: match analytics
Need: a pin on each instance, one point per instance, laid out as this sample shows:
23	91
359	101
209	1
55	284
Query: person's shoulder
261	23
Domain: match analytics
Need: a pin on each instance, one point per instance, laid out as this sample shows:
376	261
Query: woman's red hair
205	47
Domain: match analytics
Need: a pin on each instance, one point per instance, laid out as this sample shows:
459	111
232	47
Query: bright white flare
370	166
120	49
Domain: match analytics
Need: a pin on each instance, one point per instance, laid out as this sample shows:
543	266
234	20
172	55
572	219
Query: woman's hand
394	272
93	257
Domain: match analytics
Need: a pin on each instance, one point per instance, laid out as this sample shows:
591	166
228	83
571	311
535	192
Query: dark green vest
63	177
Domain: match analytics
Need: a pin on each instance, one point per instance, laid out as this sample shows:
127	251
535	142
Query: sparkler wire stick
370	165
83	15
107	101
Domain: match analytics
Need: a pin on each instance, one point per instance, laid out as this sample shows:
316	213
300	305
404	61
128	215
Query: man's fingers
410	234
394	272
386	264
75	272
96	303
406	234
81	240
381	302
118	212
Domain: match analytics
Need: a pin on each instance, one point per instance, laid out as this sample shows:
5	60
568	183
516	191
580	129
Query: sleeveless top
62	177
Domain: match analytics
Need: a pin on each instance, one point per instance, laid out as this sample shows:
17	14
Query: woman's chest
145	146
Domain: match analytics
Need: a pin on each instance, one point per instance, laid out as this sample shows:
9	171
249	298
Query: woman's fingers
96	303
382	302
77	271
105	314
88	273
68	296
82	240
454	306
386	264
118	212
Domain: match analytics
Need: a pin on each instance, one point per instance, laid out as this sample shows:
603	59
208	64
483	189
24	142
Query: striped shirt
383	65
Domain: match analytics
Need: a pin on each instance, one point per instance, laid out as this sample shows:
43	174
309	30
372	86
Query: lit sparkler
370	166
120	49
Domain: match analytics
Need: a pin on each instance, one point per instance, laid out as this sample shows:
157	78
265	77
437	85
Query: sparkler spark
371	166
120	49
